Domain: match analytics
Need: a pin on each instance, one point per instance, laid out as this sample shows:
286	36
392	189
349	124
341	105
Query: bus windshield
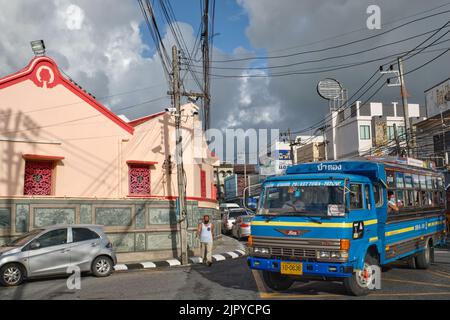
302	198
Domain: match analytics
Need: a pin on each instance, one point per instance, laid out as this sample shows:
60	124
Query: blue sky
230	23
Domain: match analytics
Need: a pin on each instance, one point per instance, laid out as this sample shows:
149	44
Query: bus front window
301	200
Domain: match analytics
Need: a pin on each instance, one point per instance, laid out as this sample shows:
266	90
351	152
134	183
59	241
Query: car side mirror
35	245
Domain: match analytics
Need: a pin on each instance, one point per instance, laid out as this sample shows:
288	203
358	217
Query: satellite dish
329	89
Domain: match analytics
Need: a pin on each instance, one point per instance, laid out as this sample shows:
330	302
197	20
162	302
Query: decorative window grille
203	183
38	178
139	179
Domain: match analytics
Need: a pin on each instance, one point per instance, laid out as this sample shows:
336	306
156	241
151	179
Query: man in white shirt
205	231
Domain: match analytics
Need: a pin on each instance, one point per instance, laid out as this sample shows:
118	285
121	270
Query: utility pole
397	142
324	129
176	98
206	66
405	106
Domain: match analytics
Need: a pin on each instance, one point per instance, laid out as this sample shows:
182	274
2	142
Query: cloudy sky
104	45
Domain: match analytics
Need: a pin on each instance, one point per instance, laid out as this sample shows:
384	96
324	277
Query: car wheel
102	266
11	274
277	281
423	259
359	283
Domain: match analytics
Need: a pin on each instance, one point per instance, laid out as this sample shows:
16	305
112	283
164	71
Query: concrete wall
138	229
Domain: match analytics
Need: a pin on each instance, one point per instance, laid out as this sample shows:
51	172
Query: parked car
225	208
51	250
230	217
241	227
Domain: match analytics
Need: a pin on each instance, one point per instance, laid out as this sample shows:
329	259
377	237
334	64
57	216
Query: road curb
175	262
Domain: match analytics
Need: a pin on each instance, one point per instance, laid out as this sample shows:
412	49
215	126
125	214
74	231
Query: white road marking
120	267
147	265
196	259
173	262
233	255
218	257
241	251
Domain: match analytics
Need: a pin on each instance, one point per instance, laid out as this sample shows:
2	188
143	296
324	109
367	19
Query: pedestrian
205	231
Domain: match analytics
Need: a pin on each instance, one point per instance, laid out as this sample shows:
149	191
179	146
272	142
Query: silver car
241	227
51	250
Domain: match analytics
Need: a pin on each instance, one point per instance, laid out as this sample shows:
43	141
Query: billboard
436	98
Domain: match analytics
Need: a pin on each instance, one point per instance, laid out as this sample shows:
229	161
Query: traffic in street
233	280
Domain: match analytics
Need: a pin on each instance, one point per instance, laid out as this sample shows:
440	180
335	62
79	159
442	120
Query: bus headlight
323	255
334	255
261	250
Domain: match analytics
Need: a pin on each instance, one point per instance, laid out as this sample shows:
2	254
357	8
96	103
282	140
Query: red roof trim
150	163
136	122
40	64
41	157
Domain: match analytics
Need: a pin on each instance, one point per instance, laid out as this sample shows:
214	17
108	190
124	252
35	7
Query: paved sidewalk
224	248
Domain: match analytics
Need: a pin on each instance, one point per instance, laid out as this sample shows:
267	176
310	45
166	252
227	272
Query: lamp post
38	47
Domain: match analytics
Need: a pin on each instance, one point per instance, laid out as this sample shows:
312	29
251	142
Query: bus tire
357	284
277	281
424	258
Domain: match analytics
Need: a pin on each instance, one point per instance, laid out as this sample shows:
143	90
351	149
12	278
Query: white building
361	129
277	162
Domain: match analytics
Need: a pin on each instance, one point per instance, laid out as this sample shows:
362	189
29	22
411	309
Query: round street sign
329	89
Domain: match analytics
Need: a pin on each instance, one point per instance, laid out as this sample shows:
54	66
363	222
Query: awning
41	157
148	163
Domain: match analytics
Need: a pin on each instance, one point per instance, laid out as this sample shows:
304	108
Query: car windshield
302	198
247	218
236	213
22	240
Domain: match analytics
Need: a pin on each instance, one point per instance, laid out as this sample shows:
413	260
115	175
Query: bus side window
378	195
356	196
367	193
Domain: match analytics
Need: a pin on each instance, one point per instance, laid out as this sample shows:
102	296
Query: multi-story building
433	135
365	129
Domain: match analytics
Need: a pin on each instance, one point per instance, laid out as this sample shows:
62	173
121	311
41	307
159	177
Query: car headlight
261	250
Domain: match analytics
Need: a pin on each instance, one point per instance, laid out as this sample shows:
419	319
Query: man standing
206	231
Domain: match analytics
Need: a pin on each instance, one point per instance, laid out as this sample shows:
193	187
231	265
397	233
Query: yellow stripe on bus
373	239
310	224
398	231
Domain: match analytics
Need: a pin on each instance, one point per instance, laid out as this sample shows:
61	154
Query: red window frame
38	178
139	179
203	183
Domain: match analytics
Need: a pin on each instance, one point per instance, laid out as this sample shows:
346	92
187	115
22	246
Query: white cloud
74	17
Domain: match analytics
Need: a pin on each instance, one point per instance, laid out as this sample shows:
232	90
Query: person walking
206	231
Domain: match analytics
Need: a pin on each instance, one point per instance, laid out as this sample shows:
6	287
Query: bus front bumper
313	269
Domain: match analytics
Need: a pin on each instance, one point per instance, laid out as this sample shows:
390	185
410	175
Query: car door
50	253
84	248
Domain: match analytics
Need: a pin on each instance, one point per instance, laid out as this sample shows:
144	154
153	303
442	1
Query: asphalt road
231	279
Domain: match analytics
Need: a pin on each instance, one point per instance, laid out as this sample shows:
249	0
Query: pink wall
43	113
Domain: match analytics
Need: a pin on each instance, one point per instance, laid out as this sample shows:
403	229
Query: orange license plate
294	268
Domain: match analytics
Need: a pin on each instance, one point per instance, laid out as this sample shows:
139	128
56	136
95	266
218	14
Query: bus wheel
276	281
424	258
361	281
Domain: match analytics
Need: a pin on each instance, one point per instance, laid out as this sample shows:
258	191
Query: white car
230	217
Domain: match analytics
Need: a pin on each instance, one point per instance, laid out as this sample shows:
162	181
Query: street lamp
38	47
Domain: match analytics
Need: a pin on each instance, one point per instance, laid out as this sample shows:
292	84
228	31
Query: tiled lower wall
134	226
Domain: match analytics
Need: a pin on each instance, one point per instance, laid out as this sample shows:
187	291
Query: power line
328	58
358	30
314	71
336	46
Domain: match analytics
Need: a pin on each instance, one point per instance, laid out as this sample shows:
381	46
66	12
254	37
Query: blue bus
343	220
